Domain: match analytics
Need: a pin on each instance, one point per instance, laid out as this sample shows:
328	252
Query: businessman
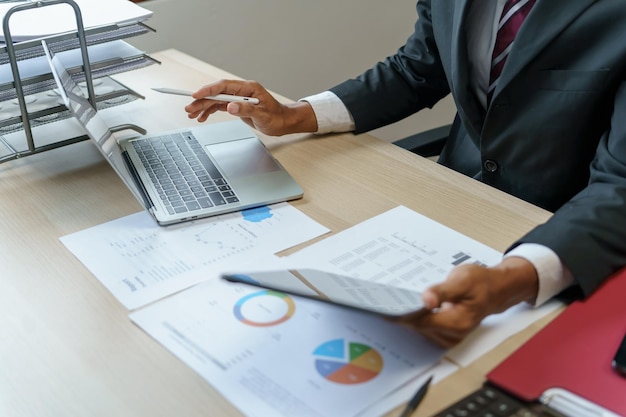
540	91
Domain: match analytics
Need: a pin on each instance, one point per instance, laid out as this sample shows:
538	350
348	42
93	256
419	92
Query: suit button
490	166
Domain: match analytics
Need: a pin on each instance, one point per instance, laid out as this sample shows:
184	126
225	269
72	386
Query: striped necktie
513	15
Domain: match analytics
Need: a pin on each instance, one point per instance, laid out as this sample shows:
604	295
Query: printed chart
141	262
347	362
278	355
400	248
264	308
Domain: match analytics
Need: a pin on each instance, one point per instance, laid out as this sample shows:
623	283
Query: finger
439	295
242	109
204	116
233	108
430	299
198	106
458	286
215	88
234	87
193	115
194	107
451	319
205	111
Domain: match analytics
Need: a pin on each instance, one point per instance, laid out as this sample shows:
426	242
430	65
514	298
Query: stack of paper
106	23
60	18
278	355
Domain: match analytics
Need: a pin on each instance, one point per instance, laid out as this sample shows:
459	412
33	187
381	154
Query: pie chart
264	308
346	362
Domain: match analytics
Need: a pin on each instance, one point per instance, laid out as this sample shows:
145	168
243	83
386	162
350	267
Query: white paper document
60	18
405	249
250	344
141	262
399	247
274	355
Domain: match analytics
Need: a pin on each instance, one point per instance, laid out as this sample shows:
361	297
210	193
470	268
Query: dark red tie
513	15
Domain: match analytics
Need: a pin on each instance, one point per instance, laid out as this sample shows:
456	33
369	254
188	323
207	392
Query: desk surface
67	347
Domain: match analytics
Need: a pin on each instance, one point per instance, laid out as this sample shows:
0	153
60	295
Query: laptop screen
88	117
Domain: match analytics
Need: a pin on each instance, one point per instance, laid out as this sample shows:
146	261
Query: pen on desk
417	399
219	97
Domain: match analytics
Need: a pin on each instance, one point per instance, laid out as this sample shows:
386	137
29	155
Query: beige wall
293	47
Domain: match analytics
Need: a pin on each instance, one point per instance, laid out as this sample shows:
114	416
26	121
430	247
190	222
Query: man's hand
269	116
469	294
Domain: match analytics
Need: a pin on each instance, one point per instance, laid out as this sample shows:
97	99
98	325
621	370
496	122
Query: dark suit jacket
555	132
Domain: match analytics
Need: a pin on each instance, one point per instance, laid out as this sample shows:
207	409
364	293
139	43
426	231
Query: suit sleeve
588	232
403	84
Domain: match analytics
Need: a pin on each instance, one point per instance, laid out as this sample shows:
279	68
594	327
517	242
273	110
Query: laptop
184	174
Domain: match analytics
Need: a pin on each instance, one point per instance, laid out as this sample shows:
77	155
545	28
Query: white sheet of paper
141	262
275	355
404	248
399	247
59	18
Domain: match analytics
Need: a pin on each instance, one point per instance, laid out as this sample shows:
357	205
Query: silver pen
218	97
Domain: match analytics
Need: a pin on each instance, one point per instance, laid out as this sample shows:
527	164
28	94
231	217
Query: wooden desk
67	347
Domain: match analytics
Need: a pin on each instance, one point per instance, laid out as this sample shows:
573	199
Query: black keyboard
183	174
492	402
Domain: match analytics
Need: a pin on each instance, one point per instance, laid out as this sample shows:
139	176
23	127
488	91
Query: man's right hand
268	116
469	294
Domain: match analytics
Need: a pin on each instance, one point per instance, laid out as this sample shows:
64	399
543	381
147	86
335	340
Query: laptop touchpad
242	158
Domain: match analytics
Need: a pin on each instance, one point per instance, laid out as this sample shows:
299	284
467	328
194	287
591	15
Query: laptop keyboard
490	402
184	176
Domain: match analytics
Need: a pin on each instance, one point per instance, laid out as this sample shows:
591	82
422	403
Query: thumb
241	109
430	298
234	109
449	291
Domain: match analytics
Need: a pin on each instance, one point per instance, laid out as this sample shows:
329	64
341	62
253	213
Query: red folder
574	352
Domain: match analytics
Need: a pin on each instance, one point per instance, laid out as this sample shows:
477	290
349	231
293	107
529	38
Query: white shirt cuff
554	277
332	115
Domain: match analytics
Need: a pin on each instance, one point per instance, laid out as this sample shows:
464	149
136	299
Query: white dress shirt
333	116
